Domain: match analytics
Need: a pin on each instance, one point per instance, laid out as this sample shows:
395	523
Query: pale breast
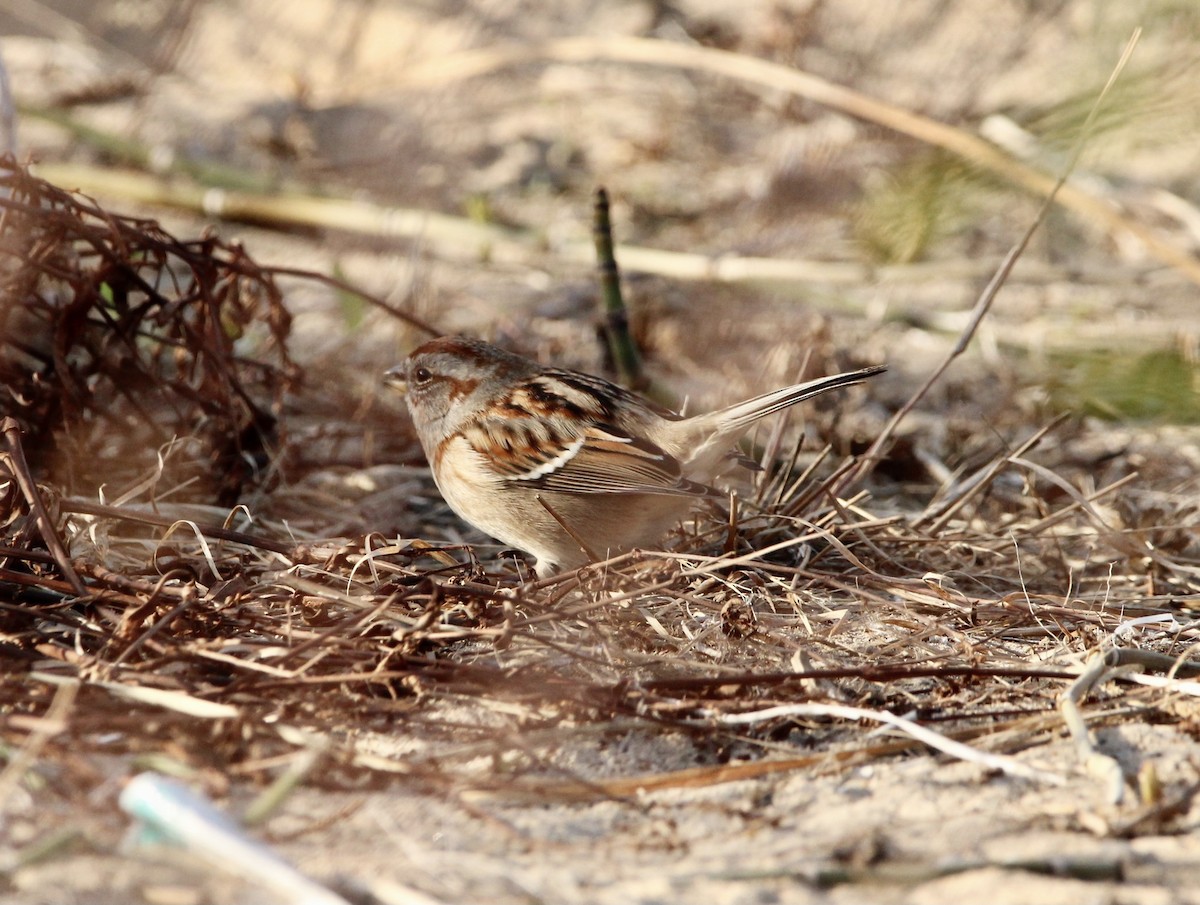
464	479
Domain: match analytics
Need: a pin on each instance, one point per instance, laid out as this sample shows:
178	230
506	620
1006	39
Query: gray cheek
427	409
417	409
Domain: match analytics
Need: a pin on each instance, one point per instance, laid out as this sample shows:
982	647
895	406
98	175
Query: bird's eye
422	376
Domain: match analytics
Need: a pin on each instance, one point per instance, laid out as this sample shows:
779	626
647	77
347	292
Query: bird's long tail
738	417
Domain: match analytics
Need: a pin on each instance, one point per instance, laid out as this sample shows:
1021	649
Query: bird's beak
397	378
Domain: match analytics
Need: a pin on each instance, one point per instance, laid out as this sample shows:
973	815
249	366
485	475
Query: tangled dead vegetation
769	635
118	340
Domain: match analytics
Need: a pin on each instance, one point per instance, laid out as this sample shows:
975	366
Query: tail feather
737	418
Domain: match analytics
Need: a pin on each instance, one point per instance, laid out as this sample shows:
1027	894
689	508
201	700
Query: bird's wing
578	458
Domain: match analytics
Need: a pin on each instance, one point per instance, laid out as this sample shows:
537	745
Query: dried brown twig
19	469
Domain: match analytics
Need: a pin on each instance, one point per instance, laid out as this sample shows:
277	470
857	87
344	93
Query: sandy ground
348	100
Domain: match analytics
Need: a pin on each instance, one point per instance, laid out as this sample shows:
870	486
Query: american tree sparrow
564	465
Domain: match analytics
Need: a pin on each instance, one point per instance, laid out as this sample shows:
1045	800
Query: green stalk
616	318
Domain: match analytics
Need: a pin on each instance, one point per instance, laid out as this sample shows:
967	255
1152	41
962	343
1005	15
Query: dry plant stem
939	742
127	339
342	286
55	844
273	797
1054	518
135	586
881	674
591	554
539	791
177	701
1154	813
890	876
1103	766
50	725
147	636
26	555
61	591
765	482
699	777
981	481
790	492
1101	667
20	471
830	487
338	631
988	296
1118	539
83	507
731	532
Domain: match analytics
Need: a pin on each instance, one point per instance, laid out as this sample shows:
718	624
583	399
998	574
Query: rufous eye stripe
461	386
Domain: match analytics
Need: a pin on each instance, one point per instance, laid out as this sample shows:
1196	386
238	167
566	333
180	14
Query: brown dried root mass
120	344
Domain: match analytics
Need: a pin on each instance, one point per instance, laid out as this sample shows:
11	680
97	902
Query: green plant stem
616	317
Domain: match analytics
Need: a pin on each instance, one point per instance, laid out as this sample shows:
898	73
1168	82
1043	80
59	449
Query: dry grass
231	649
